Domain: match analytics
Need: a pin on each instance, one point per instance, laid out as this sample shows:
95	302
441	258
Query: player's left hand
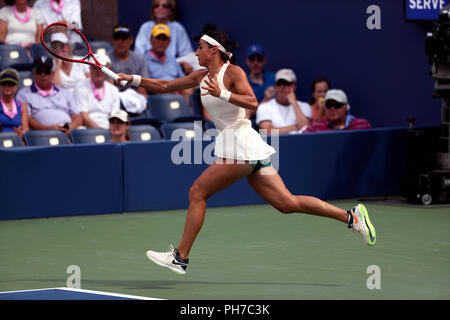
211	86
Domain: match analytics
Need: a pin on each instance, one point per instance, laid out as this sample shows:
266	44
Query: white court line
87	291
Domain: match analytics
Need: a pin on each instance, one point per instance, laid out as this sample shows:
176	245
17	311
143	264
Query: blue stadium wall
384	72
69	180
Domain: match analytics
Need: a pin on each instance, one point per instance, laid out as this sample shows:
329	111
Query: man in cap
162	66
119	126
336	115
262	82
50	107
284	112
97	98
124	60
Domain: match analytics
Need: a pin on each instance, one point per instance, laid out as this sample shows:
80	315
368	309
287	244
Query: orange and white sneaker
358	221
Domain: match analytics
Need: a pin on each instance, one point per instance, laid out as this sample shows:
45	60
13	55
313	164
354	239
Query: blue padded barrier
60	181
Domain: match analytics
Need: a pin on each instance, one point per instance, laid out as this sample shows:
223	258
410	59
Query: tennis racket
68	43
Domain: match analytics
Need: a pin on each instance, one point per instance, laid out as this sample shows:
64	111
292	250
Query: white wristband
136	80
225	95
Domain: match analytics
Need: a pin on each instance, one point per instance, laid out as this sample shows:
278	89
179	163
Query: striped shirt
351	123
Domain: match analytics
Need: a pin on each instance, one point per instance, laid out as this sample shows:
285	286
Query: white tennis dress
237	139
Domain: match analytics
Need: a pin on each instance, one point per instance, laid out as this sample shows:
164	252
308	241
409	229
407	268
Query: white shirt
18	32
98	111
280	115
71	12
77	75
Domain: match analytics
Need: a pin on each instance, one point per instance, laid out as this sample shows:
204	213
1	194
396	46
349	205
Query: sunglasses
333	104
120	36
164	5
283	83
256	58
40	71
8	84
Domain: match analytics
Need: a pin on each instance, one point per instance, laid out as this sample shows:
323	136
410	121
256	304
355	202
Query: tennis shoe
359	222
170	259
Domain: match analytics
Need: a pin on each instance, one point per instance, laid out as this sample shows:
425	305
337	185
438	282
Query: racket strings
65	42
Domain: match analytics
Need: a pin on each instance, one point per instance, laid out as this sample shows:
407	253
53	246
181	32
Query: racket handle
113	75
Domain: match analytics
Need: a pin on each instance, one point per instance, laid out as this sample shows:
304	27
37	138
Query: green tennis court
247	252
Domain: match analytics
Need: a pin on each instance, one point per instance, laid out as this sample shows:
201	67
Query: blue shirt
168	70
7	122
180	44
259	89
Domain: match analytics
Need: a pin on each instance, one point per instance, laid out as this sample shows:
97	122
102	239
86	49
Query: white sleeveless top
237	139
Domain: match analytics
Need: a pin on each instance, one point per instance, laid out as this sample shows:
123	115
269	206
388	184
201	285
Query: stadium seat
14	56
26	79
90	135
187	130
101	47
144	133
38	50
46	138
9	140
196	104
170	108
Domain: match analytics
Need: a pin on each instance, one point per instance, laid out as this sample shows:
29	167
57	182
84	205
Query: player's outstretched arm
166	86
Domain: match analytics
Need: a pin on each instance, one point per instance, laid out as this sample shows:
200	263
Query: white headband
214	42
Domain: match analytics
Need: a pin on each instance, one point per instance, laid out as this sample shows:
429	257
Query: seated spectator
119	126
336	115
163	12
319	88
124	60
50	107
97	98
68	11
283	112
13	114
67	74
161	65
20	24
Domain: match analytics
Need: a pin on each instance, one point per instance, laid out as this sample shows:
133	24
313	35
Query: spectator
68	11
336	115
97	98
119	126
20	24
161	65
163	12
50	107
319	88
262	82
13	114
67	74
284	112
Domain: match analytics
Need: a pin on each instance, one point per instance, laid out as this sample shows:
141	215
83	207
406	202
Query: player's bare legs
215	178
269	185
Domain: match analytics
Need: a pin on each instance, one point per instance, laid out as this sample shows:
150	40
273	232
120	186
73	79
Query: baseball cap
9	75
102	58
60	37
336	95
45	61
255	49
161	29
122	29
286	74
122	115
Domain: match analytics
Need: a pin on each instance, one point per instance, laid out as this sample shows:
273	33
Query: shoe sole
370	229
177	271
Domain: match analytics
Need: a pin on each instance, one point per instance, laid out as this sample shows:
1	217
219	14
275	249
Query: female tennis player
241	152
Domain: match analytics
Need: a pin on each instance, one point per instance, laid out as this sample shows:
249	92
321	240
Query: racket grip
113	75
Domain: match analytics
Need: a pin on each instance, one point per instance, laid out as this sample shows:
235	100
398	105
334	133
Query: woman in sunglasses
336	116
13	114
240	150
